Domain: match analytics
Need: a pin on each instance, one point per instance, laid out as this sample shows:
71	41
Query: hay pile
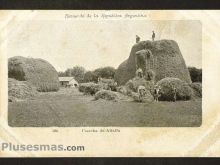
134	83
19	90
107	95
37	72
89	88
197	89
124	90
147	97
184	91
166	61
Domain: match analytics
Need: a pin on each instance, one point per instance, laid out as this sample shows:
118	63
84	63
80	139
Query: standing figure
156	93
137	39
141	92
174	91
153	36
139	73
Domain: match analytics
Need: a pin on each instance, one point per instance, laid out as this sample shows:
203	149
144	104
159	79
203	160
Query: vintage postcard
109	83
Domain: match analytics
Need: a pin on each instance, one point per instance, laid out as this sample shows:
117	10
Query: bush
184	91
90	77
108	84
195	74
89	88
197	89
107	95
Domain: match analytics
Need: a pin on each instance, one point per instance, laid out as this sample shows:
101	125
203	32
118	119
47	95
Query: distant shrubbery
90	77
81	75
195	74
105	72
77	72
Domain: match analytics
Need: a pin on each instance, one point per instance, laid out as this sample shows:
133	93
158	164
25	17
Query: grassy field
70	108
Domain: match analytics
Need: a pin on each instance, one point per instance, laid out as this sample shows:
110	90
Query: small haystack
107	95
183	90
19	90
37	72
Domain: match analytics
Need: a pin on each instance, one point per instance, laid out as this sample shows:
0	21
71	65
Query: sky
94	44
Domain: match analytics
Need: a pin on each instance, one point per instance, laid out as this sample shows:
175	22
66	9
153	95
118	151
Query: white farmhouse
68	82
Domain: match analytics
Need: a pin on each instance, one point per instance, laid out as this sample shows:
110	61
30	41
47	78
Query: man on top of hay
137	39
153	36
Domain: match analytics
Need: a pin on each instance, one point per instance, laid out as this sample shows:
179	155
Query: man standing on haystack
153	36
137	39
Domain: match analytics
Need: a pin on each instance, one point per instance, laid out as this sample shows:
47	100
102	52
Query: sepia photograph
105	73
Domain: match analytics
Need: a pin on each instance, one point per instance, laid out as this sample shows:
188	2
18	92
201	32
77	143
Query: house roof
65	78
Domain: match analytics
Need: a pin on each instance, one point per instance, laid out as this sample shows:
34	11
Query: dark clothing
153	36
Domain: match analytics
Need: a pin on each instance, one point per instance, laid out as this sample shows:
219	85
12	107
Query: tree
78	73
195	74
61	74
90	77
105	72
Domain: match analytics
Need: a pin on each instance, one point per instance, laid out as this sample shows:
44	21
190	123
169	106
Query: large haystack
37	72
183	90
165	60
19	90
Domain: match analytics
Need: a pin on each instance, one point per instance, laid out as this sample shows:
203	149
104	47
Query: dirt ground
70	108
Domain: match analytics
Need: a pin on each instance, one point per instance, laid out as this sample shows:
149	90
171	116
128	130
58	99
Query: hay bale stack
19	90
89	88
107	95
166	61
37	72
197	89
184	91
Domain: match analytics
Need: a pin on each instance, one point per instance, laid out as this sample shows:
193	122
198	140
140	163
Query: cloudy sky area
94	44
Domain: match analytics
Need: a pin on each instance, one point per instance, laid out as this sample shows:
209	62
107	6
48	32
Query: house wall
73	82
63	83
